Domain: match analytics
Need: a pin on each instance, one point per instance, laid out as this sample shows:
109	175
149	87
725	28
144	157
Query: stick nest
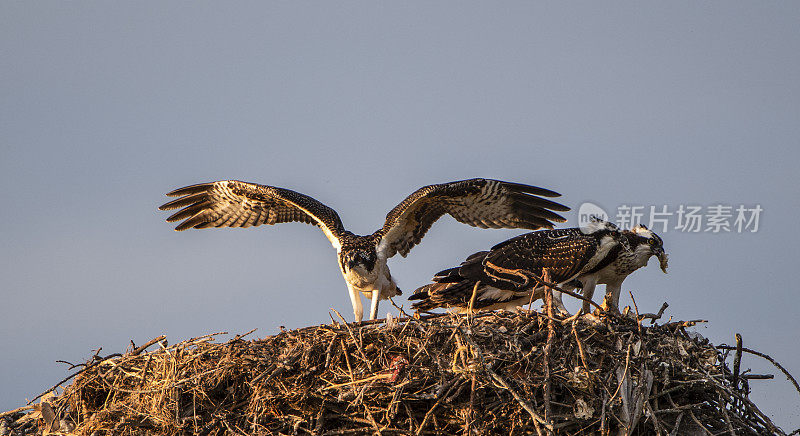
495	373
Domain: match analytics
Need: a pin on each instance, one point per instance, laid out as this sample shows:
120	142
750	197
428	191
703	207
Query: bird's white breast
626	263
365	280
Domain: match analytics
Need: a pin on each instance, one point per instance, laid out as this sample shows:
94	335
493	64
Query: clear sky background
105	107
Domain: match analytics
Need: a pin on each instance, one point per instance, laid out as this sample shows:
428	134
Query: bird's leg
355	298
373	310
611	303
588	292
558	303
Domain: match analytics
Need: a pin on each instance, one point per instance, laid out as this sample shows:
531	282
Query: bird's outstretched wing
481	203
231	203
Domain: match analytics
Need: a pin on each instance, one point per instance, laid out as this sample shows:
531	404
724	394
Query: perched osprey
638	244
362	259
567	254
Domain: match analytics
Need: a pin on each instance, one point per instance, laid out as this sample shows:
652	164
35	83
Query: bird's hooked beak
663	258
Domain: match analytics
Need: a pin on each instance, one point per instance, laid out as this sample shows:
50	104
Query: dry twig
428	375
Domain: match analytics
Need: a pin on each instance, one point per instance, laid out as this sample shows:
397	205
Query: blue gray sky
105	107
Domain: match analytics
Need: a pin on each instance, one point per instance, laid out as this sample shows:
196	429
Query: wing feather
483	203
564	253
231	203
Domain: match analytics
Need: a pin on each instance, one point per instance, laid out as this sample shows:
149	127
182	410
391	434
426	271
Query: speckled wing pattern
231	203
564	252
483	203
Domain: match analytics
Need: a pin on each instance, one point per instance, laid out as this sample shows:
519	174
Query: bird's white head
651	245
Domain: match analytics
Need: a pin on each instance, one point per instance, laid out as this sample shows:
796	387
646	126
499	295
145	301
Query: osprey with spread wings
481	203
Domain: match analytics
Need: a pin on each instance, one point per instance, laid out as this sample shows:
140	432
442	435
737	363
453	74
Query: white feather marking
383	247
596	225
491	293
334	240
643	231
506	305
606	244
641	255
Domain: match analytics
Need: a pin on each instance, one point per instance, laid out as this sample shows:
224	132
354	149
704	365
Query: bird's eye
652	242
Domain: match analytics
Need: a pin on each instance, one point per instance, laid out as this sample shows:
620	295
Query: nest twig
504	373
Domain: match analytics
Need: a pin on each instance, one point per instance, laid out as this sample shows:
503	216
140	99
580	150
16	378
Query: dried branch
486	373
138	350
771	360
